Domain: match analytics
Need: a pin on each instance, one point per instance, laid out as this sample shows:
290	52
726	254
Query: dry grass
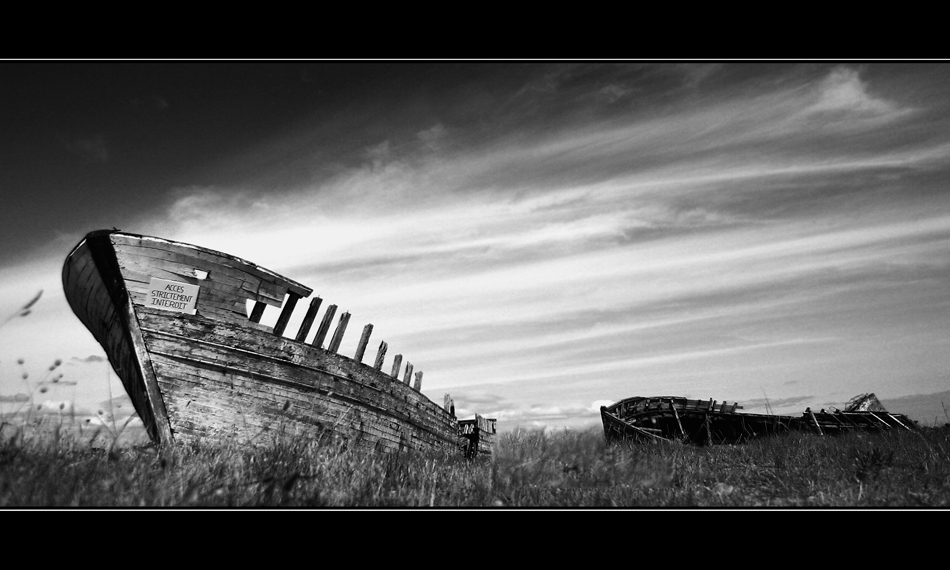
528	470
47	462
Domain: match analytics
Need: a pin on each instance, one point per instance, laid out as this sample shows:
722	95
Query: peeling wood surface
232	373
201	253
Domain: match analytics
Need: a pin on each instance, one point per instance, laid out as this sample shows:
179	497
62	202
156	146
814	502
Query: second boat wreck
174	322
674	418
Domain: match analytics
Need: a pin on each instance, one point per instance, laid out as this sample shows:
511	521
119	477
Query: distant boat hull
217	375
674	418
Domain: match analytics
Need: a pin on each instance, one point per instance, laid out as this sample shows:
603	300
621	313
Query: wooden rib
397	362
324	327
814	419
677	416
890	415
418	385
408	375
308	319
338	333
258	312
285	313
364	340
380	355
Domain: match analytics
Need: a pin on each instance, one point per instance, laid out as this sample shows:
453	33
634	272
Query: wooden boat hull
673	418
217	375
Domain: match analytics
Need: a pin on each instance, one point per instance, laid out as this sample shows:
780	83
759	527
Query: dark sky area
544	236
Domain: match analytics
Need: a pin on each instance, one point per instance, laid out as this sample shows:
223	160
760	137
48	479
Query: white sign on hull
172	295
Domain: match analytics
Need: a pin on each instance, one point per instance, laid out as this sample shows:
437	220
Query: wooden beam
380	355
875	416
890	415
364	340
677	416
257	312
418	385
338	333
397	362
814	419
104	258
324	326
308	319
408	375
285	313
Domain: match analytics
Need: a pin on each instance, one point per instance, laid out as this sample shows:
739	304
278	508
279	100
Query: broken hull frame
703	422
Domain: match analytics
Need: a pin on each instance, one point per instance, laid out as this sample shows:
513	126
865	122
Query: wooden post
418	385
364	340
380	355
257	312
285	313
308	319
324	326
397	362
338	333
709	437
408	375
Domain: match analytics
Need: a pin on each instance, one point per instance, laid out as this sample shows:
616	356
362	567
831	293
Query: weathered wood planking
142	262
219	258
94	299
219	374
274	362
263	406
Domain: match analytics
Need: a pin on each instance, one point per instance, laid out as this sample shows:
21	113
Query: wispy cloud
591	224
702	220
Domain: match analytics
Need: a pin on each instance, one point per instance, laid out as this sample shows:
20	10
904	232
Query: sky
539	238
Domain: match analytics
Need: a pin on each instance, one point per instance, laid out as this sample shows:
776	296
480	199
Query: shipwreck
174	321
703	422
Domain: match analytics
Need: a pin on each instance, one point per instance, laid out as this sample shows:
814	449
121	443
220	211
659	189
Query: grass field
52	468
